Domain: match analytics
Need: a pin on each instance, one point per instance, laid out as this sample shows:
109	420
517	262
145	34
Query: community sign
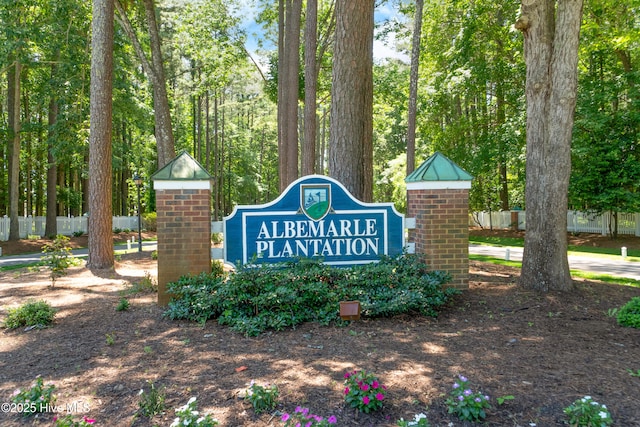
315	217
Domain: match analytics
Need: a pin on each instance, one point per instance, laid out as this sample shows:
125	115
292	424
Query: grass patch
518	242
615	280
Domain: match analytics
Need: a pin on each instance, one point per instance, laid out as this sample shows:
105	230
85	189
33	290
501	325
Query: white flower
193	399
140	392
584	399
532	424
420	416
603	414
175	422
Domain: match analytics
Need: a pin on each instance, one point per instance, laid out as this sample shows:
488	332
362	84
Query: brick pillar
441	235
184	235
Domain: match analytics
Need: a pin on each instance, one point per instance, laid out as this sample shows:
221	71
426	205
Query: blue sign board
314	217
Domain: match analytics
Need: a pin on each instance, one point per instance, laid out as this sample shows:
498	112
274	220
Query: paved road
603	265
6	260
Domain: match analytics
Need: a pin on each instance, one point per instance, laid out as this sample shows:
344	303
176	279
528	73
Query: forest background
223	100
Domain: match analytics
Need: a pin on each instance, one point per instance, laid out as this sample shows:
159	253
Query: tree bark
155	72
551	38
351	123
13	111
413	88
51	226
288	89
100	179
310	88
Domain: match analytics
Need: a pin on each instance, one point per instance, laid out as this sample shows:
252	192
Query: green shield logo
315	200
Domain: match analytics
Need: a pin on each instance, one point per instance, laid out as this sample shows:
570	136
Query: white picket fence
577	221
67	226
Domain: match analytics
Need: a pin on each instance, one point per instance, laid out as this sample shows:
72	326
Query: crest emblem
315	200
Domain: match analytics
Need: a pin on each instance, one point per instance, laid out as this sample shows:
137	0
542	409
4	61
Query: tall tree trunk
100	178
288	89
13	110
351	124
155	73
551	37
413	88
310	88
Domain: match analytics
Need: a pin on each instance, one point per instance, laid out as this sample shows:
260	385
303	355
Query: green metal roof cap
438	168
182	168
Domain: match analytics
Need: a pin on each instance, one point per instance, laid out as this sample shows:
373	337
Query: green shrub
150	221
195	298
58	257
276	296
629	314
35	399
31	313
151	403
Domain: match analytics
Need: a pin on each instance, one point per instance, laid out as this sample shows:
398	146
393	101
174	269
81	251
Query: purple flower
309	424
463	378
456	385
332	419
460	398
477	399
285	417
467	392
298	409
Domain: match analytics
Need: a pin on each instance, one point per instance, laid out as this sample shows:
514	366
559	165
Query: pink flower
347	375
88	420
380	396
346	390
364	387
365	400
375	384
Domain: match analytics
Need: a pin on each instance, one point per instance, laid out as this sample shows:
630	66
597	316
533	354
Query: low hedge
275	296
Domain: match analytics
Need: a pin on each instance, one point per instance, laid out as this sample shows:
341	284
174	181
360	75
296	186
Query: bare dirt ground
546	350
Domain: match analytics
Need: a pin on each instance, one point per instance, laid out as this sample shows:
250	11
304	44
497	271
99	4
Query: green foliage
145	285
465	403
195	298
629	314
151	402
255	299
420	420
262	398
123	305
150	221
57	256
188	415
363	391
586	412
31	313
36	399
69	421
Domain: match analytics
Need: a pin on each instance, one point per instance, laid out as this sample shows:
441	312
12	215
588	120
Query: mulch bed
546	350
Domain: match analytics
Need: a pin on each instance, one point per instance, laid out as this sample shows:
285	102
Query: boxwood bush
629	314
276	296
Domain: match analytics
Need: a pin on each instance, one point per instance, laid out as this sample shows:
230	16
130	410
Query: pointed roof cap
182	168
438	167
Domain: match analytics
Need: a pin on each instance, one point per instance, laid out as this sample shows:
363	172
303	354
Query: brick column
441	235
184	234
